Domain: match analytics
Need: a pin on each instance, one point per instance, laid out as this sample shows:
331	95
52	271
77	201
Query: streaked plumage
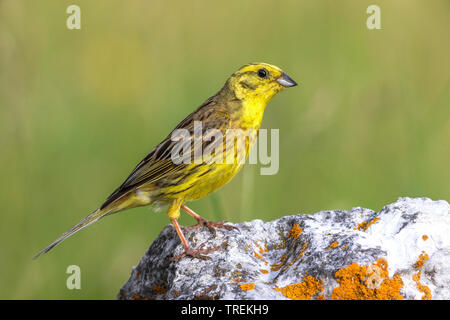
158	181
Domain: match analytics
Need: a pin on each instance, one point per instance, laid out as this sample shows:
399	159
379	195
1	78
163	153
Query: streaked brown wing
158	163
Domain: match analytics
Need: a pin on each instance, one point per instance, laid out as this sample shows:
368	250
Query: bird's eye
262	73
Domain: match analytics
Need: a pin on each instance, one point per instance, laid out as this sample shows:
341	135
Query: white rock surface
411	235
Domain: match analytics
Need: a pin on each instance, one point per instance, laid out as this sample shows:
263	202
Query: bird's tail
94	216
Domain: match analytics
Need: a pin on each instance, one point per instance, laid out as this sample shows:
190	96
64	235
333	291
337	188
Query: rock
401	252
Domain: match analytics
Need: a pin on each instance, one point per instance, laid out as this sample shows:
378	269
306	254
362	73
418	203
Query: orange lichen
345	247
278	266
264	271
421	261
333	245
424	237
304	290
367	283
365	225
159	289
302	252
424	289
416	277
139	296
257	255
247	286
295	231
284	265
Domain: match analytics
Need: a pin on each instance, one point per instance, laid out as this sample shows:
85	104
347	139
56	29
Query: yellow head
259	82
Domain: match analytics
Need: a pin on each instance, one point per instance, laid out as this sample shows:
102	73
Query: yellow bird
169	177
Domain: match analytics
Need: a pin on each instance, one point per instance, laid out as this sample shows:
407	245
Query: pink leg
195	253
203	222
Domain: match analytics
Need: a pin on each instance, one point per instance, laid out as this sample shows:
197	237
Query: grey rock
306	256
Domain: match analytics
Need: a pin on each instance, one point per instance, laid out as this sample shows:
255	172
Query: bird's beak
286	81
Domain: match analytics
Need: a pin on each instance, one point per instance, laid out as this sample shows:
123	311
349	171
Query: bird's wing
159	162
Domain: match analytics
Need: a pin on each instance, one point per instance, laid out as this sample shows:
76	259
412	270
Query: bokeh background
370	121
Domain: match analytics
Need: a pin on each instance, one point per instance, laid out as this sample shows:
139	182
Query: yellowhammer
164	177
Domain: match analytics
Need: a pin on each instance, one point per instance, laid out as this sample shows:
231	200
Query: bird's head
259	81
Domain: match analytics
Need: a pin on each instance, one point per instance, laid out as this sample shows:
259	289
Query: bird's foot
195	253
210	225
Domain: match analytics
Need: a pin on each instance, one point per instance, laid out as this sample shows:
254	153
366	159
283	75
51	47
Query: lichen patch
333	245
363	226
247	286
416	276
367	283
304	290
295	232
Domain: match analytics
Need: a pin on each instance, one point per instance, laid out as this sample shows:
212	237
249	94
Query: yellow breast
204	178
214	175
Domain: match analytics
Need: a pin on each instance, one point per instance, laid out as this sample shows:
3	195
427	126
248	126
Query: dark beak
286	81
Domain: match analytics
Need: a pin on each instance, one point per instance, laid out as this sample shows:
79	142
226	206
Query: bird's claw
210	225
195	253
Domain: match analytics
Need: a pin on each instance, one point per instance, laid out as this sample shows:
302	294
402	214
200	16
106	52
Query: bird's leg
188	251
203	222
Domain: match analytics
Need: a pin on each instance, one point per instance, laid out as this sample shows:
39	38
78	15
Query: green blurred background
370	121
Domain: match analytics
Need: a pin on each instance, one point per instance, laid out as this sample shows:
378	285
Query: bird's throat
252	113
